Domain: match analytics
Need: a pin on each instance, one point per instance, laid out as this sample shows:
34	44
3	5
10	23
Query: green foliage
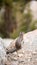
27	18
14	34
8	2
17	21
33	25
1	35
1	2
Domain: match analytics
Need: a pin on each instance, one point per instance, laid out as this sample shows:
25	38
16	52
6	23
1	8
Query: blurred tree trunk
9	22
7	26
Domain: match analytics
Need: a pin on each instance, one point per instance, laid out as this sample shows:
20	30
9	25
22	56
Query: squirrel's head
21	35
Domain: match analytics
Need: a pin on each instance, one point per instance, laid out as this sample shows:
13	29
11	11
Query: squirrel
17	44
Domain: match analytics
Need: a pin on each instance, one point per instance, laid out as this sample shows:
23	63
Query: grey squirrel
17	44
19	40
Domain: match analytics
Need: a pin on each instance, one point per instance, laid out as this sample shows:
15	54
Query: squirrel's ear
21	33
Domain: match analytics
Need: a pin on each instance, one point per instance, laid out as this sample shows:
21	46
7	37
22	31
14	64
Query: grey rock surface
2	53
27	55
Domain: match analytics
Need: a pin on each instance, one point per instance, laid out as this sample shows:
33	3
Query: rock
14	63
20	55
27	55
7	42
2	53
30	41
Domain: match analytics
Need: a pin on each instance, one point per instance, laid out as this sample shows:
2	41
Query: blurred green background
15	17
